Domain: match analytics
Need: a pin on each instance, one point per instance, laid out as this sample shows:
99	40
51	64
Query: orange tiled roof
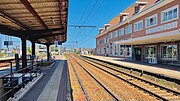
130	11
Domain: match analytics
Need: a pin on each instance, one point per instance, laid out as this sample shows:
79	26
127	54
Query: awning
44	21
150	39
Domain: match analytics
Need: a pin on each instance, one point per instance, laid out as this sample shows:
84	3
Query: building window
150	52
110	36
129	29
121	50
169	52
151	21
128	51
105	40
99	42
110	48
103	51
107	49
115	33
138	26
169	14
121	32
115	49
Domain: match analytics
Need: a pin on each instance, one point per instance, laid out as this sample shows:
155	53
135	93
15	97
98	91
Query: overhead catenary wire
90	12
82	26
83	42
116	12
93	8
78	31
97	5
98	8
85	10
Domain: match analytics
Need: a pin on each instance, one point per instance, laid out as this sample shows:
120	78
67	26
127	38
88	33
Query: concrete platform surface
167	70
52	86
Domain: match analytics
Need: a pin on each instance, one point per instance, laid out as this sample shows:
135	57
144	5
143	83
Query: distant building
148	30
42	49
86	51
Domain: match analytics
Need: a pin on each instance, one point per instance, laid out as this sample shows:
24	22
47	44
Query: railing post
31	69
23	85
37	63
11	80
32	64
23	74
17	61
24	52
2	89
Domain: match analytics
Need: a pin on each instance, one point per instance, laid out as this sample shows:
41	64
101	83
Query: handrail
12	80
18	70
6	60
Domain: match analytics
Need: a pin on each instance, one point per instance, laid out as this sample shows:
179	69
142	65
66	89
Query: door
138	53
105	52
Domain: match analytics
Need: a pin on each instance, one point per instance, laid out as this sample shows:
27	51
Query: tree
29	50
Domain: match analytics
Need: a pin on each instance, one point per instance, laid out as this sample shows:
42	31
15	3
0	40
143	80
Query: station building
148	31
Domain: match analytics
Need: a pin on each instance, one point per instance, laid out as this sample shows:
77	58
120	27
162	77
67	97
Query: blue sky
16	41
88	13
101	14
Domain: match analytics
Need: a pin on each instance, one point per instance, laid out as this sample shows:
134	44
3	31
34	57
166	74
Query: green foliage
1	54
77	52
52	48
29	50
66	56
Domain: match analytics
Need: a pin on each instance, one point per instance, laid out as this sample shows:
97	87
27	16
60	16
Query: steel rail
136	77
102	85
158	96
80	82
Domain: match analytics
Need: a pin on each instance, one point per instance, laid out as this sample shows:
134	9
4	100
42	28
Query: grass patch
161	82
66	56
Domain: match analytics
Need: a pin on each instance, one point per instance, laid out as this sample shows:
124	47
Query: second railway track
160	92
120	89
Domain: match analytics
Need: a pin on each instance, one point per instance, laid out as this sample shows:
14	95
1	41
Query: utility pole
8	42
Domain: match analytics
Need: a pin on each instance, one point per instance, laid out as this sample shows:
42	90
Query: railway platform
53	84
161	69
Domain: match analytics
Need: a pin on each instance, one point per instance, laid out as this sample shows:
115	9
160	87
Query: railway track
122	90
160	92
77	84
102	89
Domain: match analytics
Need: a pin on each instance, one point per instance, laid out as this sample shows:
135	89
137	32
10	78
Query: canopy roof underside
43	21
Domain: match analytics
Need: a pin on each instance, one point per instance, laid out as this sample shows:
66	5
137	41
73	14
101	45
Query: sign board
8	42
57	43
162	27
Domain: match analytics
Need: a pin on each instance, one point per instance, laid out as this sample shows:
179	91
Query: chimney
138	6
100	30
122	16
137	9
106	26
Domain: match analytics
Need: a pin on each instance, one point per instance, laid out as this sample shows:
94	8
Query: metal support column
33	48
48	54
24	57
178	46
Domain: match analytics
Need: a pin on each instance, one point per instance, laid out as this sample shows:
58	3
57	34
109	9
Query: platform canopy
42	21
171	36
